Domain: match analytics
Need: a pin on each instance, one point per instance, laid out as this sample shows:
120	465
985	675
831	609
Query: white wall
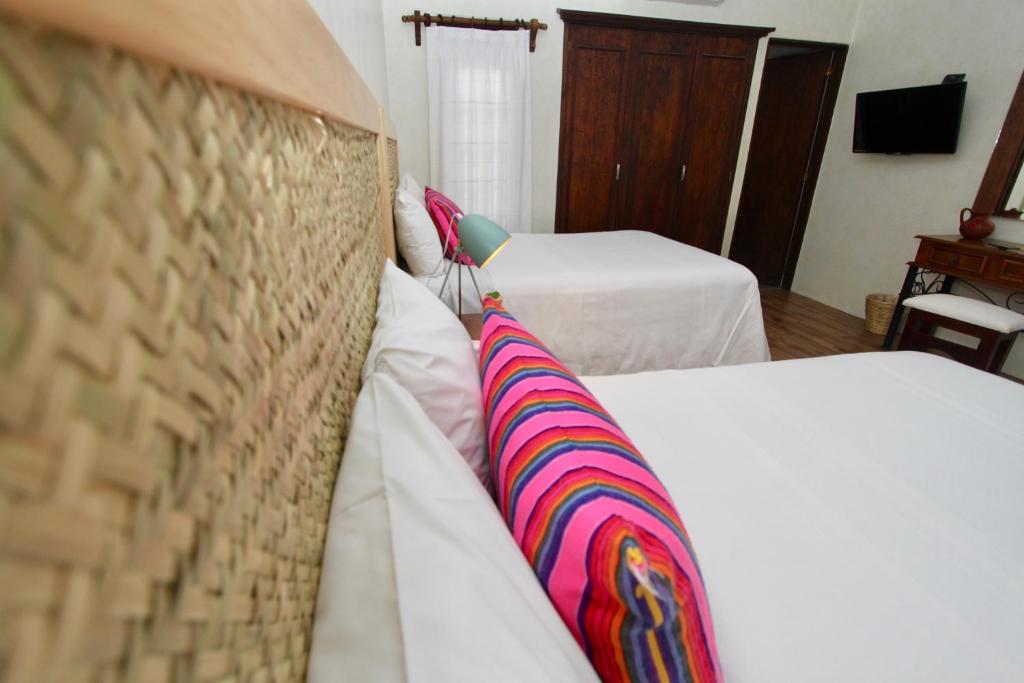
358	26
868	207
824	20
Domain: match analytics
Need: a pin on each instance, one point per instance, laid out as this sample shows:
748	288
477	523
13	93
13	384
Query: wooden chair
995	327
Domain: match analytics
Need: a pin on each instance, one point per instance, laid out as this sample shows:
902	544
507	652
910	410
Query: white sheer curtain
479	93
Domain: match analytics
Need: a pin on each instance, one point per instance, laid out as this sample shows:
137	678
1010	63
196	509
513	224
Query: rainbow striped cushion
591	517
446	215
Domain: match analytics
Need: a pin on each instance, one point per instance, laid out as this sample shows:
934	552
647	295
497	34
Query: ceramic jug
975	226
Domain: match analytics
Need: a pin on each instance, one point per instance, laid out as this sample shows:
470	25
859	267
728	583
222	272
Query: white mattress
857	518
626	301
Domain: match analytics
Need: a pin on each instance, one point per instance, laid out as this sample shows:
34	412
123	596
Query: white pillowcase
423	346
421	579
409	184
415	232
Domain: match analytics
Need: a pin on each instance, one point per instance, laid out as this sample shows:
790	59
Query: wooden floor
798	327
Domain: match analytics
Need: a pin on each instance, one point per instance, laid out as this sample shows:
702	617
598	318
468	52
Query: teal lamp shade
481	238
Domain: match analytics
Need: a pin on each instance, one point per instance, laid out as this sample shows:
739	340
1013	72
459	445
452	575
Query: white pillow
422	345
416	235
421	579
409	184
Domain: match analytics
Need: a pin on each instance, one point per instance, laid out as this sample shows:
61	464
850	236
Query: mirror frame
1005	162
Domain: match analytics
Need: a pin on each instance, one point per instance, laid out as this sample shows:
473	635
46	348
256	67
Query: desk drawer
969	264
1012	271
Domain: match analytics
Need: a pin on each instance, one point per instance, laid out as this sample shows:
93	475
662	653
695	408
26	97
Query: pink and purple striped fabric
446	215
591	517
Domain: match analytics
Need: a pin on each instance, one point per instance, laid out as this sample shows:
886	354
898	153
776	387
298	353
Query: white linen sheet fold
856	518
625	301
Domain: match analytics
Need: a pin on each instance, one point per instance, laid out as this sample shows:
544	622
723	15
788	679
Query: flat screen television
923	120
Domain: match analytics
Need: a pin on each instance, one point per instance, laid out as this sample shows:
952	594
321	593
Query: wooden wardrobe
652	113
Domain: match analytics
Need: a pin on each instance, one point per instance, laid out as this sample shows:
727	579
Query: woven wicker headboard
188	278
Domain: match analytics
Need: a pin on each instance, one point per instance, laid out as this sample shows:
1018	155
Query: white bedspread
857	518
626	301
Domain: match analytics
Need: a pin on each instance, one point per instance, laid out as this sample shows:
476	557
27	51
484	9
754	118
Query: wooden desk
953	258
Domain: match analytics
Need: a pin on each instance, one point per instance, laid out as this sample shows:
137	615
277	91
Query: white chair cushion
967	310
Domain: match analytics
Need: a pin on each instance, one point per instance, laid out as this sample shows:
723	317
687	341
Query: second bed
625	301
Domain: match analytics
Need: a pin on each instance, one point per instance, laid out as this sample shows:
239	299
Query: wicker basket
878	310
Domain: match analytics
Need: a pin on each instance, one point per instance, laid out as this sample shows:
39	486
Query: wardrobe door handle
618	167
682	173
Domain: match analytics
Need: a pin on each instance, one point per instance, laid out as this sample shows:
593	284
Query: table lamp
481	239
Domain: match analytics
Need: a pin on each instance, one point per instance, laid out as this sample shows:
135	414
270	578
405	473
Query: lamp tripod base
455	262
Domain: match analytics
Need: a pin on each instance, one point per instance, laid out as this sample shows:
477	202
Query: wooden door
790	127
722	74
661	69
593	107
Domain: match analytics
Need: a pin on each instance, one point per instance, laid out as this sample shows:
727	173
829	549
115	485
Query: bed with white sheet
857	518
626	301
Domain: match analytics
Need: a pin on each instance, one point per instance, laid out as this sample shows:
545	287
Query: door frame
826	112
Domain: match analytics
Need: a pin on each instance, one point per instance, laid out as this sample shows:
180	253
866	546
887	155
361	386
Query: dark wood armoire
652	113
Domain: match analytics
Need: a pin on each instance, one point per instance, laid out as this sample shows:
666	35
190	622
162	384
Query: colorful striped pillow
591	517
446	215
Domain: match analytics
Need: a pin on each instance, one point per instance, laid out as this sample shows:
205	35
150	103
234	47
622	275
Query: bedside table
473	323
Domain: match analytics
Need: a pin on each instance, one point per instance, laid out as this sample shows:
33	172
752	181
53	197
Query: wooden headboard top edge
275	48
